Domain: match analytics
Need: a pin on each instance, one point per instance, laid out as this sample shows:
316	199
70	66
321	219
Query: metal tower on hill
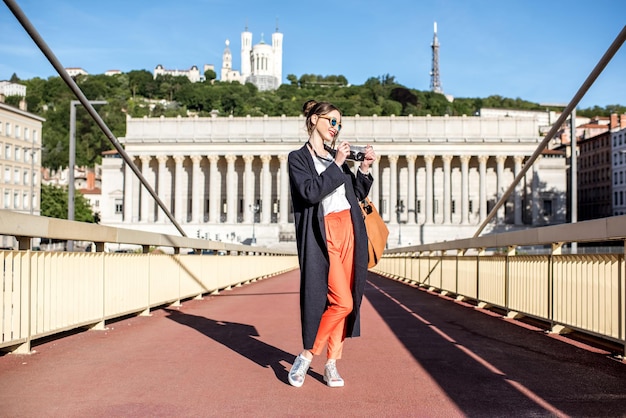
435	82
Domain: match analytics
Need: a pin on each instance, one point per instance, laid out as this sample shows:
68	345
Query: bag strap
364	205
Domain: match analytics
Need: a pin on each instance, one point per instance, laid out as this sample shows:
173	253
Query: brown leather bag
377	232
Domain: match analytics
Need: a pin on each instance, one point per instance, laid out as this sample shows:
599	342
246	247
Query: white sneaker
298	371
331	376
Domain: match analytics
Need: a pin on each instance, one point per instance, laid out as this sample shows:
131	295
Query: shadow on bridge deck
228	355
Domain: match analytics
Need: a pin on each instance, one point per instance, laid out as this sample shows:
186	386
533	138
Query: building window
7	199
16	200
7	175
119	206
7	151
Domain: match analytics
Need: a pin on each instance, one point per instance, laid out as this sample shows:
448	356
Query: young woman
331	239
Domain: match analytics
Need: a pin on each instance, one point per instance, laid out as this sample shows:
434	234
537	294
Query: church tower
435	82
227	62
277	48
246	50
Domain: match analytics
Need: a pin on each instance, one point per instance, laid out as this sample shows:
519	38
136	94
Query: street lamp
399	211
255	209
72	162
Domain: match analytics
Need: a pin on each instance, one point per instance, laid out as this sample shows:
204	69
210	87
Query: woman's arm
362	184
310	187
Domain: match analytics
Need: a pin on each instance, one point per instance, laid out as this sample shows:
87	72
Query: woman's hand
370	157
343	150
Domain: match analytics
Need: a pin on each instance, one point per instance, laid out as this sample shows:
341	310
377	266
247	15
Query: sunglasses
333	122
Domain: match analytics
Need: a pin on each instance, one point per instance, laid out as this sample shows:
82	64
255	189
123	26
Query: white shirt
337	200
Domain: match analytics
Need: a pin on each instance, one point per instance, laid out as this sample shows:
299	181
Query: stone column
214	190
465	189
429	189
284	190
197	191
248	189
231	190
519	159
146	199
162	186
411	201
536	202
500	160
178	189
447	197
128	194
266	190
482	188
375	190
394	198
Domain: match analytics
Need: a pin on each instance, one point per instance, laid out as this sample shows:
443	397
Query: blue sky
537	50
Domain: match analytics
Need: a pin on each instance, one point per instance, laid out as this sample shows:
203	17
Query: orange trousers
340	242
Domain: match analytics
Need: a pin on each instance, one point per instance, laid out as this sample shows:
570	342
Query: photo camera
356	153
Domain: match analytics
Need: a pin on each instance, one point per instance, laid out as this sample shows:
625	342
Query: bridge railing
44	293
569	292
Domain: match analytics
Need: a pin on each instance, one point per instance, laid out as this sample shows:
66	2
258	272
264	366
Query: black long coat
308	188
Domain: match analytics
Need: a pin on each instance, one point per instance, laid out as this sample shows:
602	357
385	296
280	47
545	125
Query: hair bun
306	108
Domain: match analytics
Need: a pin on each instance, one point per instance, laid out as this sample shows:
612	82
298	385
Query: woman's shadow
241	339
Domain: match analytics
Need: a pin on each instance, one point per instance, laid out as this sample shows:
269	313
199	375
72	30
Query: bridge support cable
608	55
43	47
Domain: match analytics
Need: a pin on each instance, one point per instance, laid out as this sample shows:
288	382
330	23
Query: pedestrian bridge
505	324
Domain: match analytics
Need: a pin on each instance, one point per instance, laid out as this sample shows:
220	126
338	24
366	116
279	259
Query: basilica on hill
261	64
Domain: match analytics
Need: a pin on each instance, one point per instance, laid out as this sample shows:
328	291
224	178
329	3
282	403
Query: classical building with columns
436	178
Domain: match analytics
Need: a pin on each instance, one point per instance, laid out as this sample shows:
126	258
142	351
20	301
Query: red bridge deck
229	354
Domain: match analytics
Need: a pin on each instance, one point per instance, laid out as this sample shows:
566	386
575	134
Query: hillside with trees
138	94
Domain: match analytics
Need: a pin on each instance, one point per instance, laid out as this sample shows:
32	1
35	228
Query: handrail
595	230
24	226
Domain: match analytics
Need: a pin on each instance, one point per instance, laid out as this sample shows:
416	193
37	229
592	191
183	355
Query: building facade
618	169
436	178
12	89
594	177
193	73
20	161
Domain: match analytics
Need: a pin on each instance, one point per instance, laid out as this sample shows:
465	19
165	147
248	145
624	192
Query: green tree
140	82
292	79
210	75
54	204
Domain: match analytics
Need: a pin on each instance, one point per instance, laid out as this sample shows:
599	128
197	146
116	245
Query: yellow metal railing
570	292
46	293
